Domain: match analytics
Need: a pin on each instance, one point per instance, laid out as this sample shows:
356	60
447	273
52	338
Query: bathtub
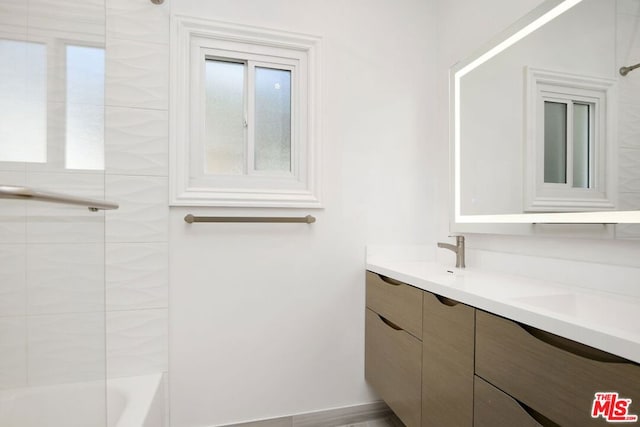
131	402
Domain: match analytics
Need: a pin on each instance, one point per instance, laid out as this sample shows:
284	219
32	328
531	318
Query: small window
246	128
248	124
569	143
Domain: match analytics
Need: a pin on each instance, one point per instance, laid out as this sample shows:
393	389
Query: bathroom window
52	103
248	125
23	101
245	130
569	148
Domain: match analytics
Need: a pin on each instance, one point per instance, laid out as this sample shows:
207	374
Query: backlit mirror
545	128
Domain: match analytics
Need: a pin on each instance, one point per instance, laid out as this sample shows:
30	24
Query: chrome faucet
458	248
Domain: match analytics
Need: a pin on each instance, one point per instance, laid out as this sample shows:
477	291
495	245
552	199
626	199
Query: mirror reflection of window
23	101
568	143
581	145
555	142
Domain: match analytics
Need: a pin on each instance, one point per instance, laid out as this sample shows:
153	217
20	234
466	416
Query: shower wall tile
137	342
137	141
144	213
58	223
138	20
629	7
66	348
137	276
79	16
13	352
629	125
13	13
12	220
13	283
629	170
65	278
137	75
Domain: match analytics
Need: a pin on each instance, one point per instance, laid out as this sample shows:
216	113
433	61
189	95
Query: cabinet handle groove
390	324
572	347
390	281
446	301
537	416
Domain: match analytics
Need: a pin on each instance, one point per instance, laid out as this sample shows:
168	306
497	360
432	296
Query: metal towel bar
26	193
305	219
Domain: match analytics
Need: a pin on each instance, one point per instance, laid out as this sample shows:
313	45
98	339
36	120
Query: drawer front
396	302
493	408
552	375
447	362
393	365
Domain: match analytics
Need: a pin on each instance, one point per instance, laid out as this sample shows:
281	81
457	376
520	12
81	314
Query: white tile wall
13	283
136	342
80	16
135	20
12	224
629	170
57	274
65	278
144	213
137	74
136	144
13	12
136	141
137	276
66	348
13	348
57	223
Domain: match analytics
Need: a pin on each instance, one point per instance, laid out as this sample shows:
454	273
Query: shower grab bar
277	219
26	193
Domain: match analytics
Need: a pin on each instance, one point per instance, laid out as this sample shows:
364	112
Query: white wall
268	320
610	265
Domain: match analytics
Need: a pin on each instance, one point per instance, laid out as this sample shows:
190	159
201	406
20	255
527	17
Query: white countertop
605	321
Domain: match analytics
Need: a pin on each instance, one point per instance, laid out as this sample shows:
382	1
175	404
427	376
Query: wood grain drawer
493	408
447	362
393	365
554	376
396	302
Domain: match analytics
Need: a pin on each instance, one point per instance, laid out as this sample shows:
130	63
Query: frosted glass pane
23	101
224	123
84	108
273	120
581	129
555	142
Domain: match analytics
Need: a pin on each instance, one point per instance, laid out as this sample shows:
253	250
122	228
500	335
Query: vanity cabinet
419	353
552	376
447	362
437	362
393	345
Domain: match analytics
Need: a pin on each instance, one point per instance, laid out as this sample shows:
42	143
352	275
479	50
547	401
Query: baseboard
329	418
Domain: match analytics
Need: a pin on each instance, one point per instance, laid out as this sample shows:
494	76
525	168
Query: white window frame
544	85
193	42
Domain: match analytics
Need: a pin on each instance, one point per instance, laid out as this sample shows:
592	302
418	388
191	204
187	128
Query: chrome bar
26	193
278	219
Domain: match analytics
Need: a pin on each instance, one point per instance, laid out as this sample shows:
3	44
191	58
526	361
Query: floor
390	421
369	415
